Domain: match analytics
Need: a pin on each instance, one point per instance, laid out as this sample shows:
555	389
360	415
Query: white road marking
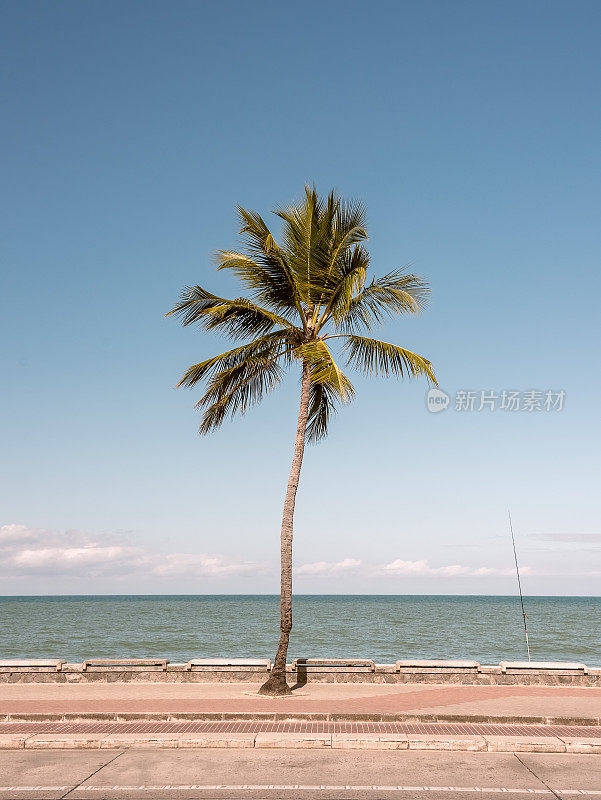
299	787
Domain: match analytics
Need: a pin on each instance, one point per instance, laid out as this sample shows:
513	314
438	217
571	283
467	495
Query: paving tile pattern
302	727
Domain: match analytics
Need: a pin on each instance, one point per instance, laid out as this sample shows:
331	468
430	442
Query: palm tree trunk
276	683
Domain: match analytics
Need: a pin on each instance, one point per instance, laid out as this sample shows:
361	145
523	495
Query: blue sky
131	129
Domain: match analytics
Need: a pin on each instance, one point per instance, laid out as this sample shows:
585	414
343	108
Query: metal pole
517	569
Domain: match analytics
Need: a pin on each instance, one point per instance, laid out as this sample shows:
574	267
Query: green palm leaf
237	318
322	407
352	269
264	269
372	356
395	293
234	391
324	369
270	346
307	238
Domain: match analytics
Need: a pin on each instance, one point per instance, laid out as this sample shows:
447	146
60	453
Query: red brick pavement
416	700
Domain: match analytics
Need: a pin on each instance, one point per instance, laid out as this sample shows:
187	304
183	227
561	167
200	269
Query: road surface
222	774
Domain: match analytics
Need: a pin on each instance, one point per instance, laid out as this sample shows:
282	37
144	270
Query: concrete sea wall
300	671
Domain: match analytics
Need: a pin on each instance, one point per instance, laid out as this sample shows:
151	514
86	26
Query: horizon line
304	594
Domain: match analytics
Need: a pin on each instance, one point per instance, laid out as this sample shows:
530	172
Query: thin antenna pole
517	569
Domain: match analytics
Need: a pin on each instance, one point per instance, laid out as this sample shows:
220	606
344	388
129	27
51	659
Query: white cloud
193	564
423	569
31	551
36	552
324	569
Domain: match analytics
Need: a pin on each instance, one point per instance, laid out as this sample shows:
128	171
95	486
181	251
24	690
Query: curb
490	744
260	716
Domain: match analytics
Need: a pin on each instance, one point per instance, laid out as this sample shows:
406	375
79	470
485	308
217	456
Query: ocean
385	628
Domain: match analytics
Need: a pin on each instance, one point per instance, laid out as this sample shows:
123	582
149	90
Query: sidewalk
570	705
364	716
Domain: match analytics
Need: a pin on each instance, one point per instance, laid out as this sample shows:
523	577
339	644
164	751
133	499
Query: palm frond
264	270
322	406
306	235
263	275
352	270
194	302
240	318
324	369
236	318
345	230
329	385
235	390
349	228
398	292
268	347
382	358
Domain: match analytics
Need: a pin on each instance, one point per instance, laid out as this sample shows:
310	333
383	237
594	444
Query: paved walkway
570	705
338	716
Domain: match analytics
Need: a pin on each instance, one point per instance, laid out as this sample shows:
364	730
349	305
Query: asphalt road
221	774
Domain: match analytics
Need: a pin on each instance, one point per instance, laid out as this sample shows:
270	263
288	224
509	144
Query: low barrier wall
300	671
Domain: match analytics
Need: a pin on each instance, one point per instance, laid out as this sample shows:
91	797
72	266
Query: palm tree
306	293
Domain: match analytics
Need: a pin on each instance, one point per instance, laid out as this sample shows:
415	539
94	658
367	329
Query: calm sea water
384	628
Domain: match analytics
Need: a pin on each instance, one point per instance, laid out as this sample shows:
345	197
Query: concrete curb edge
282	716
485	743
